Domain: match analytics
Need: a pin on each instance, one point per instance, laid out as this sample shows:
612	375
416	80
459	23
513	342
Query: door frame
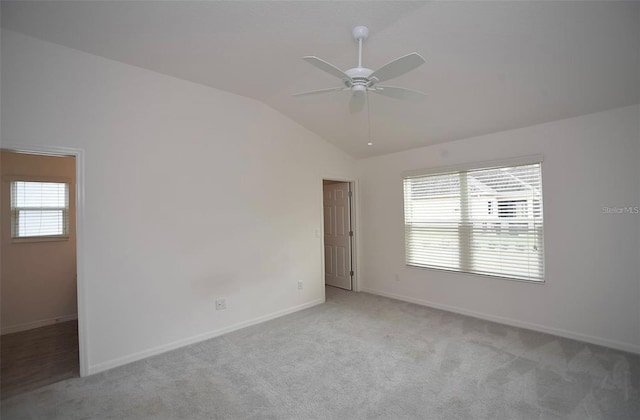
81	285
355	226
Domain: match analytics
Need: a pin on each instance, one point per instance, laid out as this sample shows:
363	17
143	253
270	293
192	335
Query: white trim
110	364
471	273
614	344
37	324
83	329
30	178
356	286
515	161
355	216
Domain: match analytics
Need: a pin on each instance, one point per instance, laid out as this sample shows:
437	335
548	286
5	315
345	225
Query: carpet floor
357	356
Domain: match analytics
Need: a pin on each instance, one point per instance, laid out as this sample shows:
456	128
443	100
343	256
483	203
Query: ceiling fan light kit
360	80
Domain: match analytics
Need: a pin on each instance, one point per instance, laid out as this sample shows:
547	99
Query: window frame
515	161
66	212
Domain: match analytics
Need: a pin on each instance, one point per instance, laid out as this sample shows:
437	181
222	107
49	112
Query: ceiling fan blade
315	92
398	67
356	104
326	67
399	93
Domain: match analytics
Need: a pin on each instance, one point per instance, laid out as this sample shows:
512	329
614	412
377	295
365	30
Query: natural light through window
39	209
481	221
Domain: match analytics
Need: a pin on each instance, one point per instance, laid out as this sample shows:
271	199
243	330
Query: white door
337	241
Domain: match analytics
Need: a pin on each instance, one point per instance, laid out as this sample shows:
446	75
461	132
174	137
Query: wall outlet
299	285
221	304
397	277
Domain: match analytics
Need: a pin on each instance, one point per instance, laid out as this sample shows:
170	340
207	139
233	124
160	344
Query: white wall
592	284
192	194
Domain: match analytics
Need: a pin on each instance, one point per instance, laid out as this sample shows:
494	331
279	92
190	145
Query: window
482	221
39	209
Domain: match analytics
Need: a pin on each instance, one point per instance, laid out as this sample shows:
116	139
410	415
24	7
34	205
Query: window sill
444	270
33	239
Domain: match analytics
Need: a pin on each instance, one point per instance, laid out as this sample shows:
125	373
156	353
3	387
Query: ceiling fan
360	80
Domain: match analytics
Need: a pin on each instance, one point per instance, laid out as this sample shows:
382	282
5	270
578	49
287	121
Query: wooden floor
34	358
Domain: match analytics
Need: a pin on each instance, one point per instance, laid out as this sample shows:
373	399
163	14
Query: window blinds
484	221
39	209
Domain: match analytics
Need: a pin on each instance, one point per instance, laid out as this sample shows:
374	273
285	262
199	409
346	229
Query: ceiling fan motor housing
359	79
359	72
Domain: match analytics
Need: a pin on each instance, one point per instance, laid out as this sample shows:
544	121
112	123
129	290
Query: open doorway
338	234
39	319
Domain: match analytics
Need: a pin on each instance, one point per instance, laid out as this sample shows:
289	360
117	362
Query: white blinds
39	209
486	221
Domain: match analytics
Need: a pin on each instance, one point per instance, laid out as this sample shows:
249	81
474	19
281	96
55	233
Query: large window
39	209
482	221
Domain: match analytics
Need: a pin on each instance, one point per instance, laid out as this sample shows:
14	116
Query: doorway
39	273
338	233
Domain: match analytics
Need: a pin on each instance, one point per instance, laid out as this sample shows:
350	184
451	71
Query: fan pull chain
369	118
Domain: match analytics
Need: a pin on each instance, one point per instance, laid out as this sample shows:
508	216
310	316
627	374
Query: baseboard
37	324
110	364
618	345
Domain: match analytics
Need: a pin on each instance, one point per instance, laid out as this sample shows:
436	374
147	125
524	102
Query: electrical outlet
397	277
221	304
299	285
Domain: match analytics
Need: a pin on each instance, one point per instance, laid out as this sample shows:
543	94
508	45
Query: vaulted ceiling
491	66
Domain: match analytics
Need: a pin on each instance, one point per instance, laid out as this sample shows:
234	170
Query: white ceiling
491	66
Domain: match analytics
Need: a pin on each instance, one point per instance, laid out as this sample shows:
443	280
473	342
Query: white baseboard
110	364
37	324
619	345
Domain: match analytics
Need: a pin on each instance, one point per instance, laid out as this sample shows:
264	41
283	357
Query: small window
481	221
39	209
